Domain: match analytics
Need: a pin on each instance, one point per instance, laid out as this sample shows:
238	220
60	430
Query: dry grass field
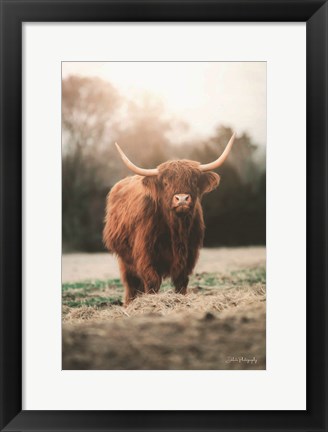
219	324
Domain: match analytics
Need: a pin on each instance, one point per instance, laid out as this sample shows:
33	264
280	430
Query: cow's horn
212	165
133	167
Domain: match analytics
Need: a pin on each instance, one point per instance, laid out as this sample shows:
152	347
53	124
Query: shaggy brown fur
152	235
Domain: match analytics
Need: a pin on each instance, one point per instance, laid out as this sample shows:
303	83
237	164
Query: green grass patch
93	301
92	293
250	276
210	280
96	284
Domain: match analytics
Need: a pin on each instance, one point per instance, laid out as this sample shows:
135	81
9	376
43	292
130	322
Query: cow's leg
150	277
180	283
151	280
132	283
133	287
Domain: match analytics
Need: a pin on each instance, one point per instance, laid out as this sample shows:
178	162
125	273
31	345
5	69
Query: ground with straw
219	324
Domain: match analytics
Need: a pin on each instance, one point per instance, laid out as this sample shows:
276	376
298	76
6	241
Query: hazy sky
204	94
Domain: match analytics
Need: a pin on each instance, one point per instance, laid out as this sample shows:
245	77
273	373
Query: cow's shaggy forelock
175	177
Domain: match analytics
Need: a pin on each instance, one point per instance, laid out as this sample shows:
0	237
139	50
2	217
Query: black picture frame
16	12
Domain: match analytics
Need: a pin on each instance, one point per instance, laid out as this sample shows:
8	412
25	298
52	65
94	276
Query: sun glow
203	94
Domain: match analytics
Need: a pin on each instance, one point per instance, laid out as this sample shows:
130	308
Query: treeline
95	115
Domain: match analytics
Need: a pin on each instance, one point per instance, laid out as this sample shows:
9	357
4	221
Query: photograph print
164	215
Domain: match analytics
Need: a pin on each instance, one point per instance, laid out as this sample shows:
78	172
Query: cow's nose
182	198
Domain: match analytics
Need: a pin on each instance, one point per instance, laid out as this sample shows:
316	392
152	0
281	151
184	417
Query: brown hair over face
180	184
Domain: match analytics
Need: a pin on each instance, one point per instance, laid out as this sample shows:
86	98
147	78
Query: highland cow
154	222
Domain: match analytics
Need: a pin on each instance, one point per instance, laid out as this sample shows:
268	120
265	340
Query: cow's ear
208	181
151	184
